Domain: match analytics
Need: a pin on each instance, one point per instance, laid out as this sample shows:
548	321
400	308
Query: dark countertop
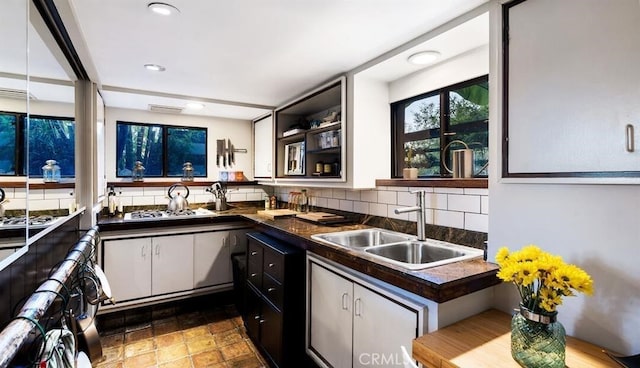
440	284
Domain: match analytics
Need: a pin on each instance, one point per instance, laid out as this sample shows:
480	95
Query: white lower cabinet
211	259
171	264
152	268
352	322
127	264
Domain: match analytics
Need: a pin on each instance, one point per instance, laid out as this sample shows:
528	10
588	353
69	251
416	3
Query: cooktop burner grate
22	220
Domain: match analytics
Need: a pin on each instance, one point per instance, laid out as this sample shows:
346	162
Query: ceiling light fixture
155	67
424	57
162	8
194	105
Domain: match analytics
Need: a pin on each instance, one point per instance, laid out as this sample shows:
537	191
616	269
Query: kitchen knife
233	155
220	147
225	156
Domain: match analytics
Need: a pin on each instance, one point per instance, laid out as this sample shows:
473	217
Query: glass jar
537	340
137	174
51	172
187	172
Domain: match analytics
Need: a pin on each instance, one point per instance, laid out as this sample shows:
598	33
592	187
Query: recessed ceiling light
154	67
163	8
423	57
194	105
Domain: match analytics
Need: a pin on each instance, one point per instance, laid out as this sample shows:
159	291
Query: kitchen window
423	125
162	149
49	138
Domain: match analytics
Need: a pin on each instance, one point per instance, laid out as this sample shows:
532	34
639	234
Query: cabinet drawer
273	290
274	265
254	274
255	252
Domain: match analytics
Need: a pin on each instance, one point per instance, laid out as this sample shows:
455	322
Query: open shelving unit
307	146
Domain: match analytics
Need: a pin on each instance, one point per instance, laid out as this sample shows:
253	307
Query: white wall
239	131
593	226
469	65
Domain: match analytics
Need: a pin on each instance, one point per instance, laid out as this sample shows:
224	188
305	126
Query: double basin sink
400	249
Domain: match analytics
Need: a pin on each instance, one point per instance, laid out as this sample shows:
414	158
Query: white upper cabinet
263	148
572	75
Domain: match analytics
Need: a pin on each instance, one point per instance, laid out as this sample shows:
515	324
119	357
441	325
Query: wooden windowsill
435	182
41	185
128	184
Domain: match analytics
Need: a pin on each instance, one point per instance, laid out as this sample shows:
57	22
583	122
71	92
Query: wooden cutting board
322	217
273	214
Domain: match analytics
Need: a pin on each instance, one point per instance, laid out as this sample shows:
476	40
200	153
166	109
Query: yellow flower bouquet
542	279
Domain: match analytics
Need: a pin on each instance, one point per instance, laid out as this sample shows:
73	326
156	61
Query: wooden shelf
325	150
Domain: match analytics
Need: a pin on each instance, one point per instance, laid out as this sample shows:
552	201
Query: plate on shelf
292	132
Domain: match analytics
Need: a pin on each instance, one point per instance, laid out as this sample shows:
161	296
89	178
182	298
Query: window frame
20	156
165	135
399	137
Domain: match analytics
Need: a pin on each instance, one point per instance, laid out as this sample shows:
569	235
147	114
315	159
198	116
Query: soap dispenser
111	201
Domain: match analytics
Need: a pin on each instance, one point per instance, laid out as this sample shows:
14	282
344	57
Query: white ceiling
261	52
238	57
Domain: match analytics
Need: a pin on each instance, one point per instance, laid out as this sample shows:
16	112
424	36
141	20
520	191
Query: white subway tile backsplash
57	194
155	191
449	190
406	199
424	189
36	194
436	201
19	193
162	200
361	207
346	205
126	201
463	203
388	197
484	204
339	194
369	196
326	193
131	192
353	195
255	196
200	198
378	209
476	191
236	197
476	222
143	201
15	204
322	202
333	203
449	218
43	204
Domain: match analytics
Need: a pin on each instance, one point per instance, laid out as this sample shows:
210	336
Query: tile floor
174	337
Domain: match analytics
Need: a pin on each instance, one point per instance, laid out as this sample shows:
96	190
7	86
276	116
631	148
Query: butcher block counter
484	341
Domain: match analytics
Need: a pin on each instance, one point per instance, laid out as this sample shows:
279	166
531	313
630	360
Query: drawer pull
345	304
357	306
261	321
256	317
253	253
254	274
271	265
271	289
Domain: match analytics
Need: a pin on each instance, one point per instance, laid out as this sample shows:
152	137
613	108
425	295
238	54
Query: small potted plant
409	172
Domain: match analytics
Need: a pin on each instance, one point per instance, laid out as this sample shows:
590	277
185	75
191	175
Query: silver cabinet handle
261	321
356	307
256	317
271	265
345	302
271	289
253	274
253	253
629	138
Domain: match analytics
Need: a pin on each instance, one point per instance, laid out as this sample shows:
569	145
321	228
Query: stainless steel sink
423	254
363	238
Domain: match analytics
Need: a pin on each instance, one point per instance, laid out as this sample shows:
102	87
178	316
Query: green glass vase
537	340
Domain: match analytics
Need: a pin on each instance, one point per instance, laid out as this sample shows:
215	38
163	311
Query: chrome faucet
420	208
